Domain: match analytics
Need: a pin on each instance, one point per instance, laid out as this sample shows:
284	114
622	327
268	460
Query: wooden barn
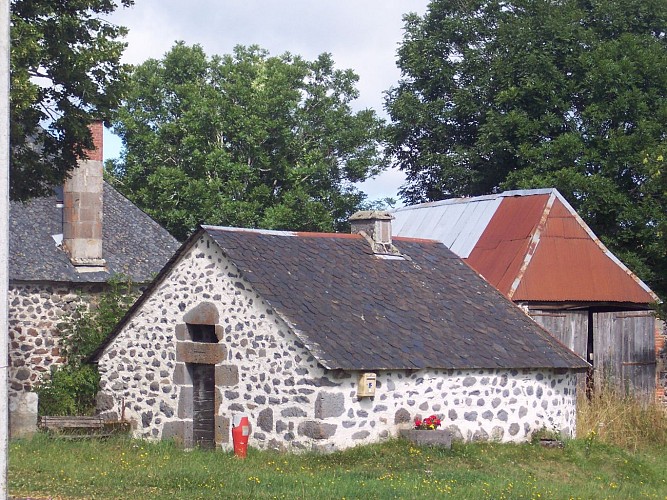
535	248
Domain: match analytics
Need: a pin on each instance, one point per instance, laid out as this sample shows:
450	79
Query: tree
540	93
65	73
244	140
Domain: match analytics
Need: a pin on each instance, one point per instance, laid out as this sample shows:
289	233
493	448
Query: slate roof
530	244
356	311
133	243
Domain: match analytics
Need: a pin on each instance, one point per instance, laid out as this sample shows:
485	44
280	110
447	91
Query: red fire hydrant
240	433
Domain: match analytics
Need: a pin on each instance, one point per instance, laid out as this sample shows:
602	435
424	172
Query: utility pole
4	244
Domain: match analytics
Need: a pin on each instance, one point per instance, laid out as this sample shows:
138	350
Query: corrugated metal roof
457	223
531	245
570	265
500	252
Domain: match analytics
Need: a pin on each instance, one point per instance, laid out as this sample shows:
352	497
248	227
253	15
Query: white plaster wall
294	403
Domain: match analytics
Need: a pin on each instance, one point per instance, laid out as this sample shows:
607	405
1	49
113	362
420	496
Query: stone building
327	341
62	250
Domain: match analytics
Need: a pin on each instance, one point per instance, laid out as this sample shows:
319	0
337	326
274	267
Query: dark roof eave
576	369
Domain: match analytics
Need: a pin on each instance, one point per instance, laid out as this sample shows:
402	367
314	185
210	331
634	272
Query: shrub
71	389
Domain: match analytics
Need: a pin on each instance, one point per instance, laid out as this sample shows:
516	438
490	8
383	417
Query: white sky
360	34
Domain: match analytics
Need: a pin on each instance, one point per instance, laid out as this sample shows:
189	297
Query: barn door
203	398
624	351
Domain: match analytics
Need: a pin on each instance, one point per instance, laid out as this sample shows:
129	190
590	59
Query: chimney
375	226
82	211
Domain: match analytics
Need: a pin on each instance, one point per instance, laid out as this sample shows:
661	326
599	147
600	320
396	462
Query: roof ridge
277	232
479	198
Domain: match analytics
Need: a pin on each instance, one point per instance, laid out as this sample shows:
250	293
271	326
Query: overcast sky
360	34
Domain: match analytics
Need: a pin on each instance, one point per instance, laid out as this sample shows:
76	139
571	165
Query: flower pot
441	438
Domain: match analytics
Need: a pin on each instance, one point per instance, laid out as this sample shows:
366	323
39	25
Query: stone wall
34	313
264	369
35	309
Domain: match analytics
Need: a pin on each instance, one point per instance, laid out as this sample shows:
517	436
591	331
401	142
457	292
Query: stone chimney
82	210
375	226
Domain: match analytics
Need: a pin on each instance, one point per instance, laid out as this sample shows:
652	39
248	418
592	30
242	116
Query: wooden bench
82	427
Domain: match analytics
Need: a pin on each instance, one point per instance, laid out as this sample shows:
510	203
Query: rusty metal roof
531	245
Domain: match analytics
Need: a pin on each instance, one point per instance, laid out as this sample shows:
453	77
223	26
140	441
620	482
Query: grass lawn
123	468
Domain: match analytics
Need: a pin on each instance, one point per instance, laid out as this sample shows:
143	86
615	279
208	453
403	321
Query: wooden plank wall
624	346
661	354
624	352
570	327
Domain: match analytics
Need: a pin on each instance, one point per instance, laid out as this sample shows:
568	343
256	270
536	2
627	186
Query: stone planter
427	438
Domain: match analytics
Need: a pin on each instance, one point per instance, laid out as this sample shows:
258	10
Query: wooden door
624	352
203	405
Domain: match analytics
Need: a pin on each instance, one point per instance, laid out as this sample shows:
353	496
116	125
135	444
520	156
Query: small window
203	333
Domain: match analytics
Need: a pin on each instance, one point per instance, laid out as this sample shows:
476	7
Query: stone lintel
204	313
196	352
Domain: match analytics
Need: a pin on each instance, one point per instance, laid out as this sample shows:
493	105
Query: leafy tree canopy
65	72
569	94
245	140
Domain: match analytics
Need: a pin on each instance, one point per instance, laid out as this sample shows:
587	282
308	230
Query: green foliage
244	139
122	468
537	93
387	203
65	72
86	328
71	388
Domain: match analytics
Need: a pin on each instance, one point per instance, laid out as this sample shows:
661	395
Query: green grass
124	468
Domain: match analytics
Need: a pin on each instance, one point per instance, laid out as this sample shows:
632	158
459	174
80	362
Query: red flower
429	423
